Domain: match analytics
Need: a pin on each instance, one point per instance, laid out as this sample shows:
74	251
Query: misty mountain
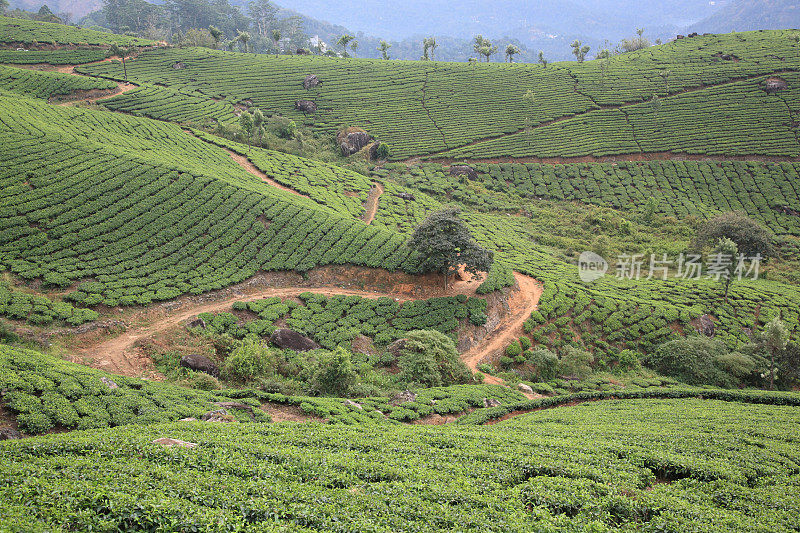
744	15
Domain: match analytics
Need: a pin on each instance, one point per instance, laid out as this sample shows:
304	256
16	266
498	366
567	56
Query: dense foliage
654	465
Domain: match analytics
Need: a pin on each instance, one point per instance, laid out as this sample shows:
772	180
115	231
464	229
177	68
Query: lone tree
384	49
343	41
750	237
511	51
579	50
444	242
115	50
774	340
216	34
542	59
726	251
276	39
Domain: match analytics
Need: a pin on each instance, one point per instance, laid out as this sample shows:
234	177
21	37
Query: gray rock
525	388
406	196
219	415
291	340
706	326
109	383
403	397
354	405
352	140
463	170
9	433
311	81
306	106
199	363
491	402
197	323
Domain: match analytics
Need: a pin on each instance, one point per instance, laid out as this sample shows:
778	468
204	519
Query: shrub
513	349
525	342
382	151
430	358
506	362
545	361
691	360
750	237
202	381
628	360
735	364
250	359
335	374
575	362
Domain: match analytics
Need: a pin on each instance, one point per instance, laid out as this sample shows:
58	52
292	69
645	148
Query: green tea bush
429	358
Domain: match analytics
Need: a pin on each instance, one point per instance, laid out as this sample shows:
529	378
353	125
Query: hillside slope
566	109
745	15
141	210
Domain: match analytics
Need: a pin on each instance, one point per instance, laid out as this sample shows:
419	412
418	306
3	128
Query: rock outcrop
199	363
291	340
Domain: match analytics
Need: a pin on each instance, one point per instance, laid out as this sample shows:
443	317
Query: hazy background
548	25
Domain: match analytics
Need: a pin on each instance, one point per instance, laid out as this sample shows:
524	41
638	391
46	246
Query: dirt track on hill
371	205
523	302
120	354
248	165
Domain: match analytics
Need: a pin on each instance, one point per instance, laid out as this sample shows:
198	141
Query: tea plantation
653	465
47	84
28	32
150	212
706	104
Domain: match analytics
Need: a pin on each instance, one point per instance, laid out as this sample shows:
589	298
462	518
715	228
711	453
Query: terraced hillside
16	31
136	210
650	466
707	90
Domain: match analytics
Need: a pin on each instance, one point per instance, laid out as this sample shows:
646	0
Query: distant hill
745	15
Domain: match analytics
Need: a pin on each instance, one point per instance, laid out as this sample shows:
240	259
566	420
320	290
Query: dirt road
120	355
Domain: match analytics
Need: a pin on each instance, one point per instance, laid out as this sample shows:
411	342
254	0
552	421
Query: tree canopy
444	242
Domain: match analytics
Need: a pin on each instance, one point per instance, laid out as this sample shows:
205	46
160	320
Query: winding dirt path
523	302
93	95
248	165
120	355
371	205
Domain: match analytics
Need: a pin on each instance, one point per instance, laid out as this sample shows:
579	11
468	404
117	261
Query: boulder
197	323
705	326
396	347
218	415
405	196
311	81
363	345
190	419
291	340
525	388
306	106
352	140
199	363
9	433
463	170
491	402
178	66
403	397
775	84
694	34
109	383
165	441
352	404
